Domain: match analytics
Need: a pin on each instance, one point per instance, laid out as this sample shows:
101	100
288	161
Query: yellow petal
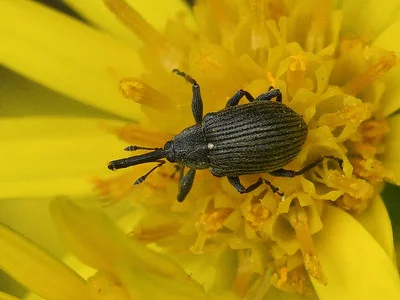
388	40
21	214
4	296
96	240
356	266
372	19
381	231
392	157
97	13
36	269
276	294
67	56
140	285
48	156
23	97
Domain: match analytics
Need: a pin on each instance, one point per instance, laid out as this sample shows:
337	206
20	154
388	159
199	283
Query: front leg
272	93
178	169
197	102
235	181
234	100
185	184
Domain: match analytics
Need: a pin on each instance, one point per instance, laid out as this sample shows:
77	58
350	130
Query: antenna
143	178
134	148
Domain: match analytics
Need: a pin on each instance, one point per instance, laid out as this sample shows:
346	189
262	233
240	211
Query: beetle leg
185	184
197	102
272	93
178	168
291	173
234	100
273	188
235	181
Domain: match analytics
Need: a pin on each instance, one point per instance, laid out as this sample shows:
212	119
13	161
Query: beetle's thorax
188	148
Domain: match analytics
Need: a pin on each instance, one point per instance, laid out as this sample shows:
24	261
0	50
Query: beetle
261	136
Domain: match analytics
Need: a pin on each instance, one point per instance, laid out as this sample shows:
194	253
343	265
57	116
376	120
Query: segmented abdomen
253	138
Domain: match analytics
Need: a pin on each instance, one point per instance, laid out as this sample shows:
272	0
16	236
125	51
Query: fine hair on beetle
260	136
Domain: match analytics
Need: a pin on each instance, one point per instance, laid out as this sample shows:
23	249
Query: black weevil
258	137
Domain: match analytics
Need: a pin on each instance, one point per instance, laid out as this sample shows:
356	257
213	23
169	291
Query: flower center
252	46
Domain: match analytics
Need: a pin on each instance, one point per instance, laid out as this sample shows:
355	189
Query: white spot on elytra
210	146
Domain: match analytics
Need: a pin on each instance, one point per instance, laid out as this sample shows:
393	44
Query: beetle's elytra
261	136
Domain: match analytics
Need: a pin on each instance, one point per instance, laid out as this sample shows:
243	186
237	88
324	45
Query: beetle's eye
167	145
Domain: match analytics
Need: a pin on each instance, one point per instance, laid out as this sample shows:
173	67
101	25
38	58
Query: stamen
152	234
135	22
357	192
364	149
357	188
209	224
374	131
297	280
276	9
259	35
295	75
244	274
316	36
213	220
364	79
135	134
283	272
271	79
256	215
348	114
299	221
207	59
113	190
371	141
352	204
142	93
372	170
223	14
160	48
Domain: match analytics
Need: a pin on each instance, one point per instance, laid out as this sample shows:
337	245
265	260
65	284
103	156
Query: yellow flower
127	268
335	65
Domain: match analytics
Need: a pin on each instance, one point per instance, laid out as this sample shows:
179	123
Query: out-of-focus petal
4	296
23	97
388	40
276	294
67	56
392	157
356	266
382	230
96	240
140	285
36	269
366	17
47	156
97	13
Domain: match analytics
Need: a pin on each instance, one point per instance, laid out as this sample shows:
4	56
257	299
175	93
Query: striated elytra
261	136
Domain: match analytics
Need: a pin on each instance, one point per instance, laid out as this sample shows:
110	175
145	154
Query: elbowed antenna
134	148
122	163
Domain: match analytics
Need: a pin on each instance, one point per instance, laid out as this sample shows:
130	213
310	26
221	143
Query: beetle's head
169	151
